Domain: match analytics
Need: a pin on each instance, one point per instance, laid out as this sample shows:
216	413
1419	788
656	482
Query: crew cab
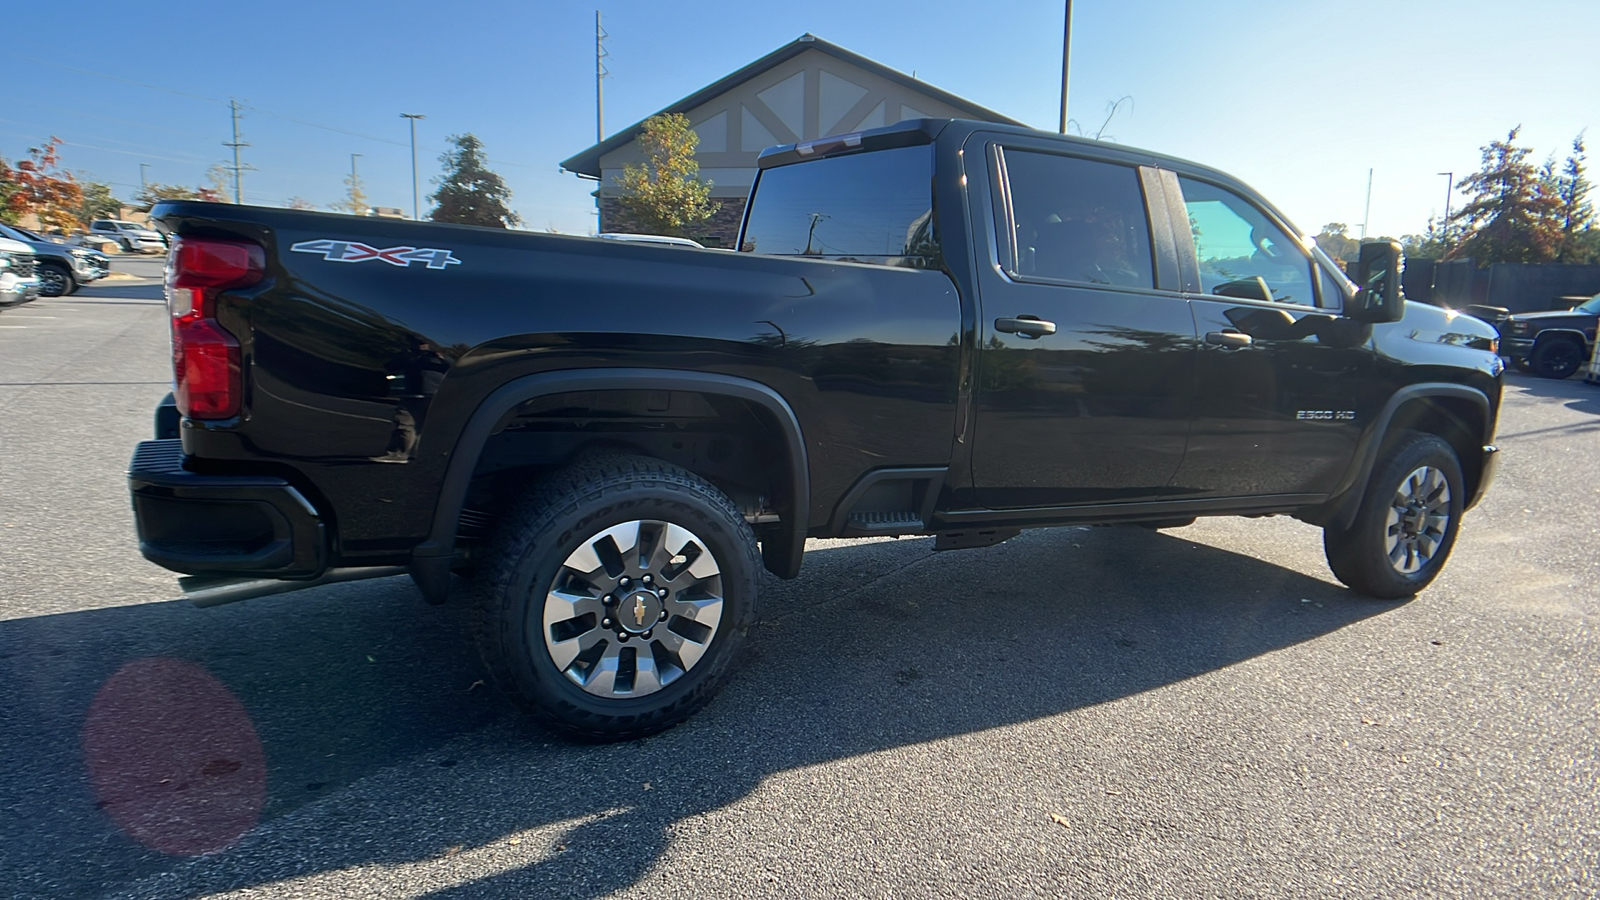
942	328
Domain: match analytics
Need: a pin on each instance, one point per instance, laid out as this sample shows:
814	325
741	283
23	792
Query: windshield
1591	306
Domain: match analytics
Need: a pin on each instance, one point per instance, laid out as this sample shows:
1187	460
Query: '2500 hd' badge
352	252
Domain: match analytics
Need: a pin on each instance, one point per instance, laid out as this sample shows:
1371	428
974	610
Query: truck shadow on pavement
382	751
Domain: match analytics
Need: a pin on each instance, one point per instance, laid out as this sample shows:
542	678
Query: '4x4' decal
353	252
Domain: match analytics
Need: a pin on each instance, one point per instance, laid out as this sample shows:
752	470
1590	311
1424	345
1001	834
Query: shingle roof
588	162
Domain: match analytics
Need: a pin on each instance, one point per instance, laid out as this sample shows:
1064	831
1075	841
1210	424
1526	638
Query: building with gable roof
806	89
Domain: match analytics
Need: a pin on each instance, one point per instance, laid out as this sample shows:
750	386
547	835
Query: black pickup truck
939	328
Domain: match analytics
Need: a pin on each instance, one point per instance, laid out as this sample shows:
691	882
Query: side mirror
1378	273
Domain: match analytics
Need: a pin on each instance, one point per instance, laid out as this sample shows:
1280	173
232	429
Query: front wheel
616	597
1407	523
55	281
1556	358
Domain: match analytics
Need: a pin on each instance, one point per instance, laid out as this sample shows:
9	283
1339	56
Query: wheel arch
1460	414
431	560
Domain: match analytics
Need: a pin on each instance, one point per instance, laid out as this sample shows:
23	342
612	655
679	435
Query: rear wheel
1407	523
55	281
1557	357
616	597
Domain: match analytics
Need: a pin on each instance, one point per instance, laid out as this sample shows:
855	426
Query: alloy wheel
633	608
1419	519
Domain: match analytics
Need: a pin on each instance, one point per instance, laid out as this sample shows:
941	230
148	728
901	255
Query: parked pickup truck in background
938	328
1551	344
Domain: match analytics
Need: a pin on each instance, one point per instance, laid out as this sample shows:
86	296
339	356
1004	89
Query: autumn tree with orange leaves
39	185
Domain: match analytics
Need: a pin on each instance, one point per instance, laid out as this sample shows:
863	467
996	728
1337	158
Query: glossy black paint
361	377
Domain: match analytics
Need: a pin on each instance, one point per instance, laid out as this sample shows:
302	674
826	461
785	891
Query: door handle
1232	339
1027	326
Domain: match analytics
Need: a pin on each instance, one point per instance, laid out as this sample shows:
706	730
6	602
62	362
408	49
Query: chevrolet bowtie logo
638	610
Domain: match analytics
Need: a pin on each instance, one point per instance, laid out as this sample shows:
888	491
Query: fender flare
1346	498
431	559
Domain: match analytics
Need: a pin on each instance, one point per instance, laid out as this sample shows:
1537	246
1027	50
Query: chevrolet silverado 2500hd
941	328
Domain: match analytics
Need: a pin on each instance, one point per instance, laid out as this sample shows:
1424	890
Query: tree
40	186
299	203
1431	244
1334	242
1576	213
218	189
1511	215
155	192
98	202
666	194
470	194
355	197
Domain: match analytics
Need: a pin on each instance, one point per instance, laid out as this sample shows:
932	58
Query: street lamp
415	202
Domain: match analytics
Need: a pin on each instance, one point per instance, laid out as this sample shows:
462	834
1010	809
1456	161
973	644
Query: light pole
1449	184
415	202
1066	53
143	185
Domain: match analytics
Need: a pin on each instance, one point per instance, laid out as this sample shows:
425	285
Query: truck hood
1447	326
1551	317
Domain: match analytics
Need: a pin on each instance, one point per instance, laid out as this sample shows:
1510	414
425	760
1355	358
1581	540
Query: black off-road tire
529	550
58	278
1360	555
1556	357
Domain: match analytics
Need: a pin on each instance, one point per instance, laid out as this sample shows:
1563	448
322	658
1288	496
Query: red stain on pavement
174	758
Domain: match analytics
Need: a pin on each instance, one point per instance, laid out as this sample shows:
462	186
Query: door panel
1093	413
1095	409
1278	415
1277	367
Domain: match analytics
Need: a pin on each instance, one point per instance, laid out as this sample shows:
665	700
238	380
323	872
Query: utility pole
415	202
355	185
237	169
143	184
1066	56
1449	185
1368	214
599	73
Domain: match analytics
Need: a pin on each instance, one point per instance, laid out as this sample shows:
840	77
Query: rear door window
874	207
1078	220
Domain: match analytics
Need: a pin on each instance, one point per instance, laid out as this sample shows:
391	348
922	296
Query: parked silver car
17	281
131	236
61	268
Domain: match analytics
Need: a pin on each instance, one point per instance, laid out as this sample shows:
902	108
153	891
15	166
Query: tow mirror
1378	273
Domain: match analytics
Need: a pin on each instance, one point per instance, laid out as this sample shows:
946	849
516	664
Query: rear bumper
1491	466
218	525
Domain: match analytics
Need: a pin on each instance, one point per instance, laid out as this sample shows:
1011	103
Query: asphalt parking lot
1076	712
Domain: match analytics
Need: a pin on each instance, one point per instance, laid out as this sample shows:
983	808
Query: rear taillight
205	357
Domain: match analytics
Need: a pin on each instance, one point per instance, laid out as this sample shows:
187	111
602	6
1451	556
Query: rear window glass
874	207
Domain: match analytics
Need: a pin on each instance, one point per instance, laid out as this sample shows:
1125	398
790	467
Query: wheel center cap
638	612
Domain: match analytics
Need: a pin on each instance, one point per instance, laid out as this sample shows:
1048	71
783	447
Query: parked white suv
131	236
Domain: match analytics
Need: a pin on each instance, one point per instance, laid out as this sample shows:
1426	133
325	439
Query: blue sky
1298	99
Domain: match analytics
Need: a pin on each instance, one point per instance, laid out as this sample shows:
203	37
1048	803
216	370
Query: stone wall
720	231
